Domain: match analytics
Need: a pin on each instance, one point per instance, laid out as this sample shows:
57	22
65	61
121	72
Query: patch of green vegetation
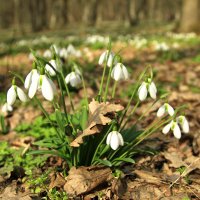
196	58
53	194
194	89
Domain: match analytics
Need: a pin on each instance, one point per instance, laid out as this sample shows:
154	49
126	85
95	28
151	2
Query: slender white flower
107	56
114	139
15	92
50	70
174	127
74	79
145	88
183	123
46	85
165	108
30	77
6	108
119	72
47	54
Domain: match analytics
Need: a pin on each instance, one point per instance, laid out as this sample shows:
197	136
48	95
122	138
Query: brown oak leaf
98	117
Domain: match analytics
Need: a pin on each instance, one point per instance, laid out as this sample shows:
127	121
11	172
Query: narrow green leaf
104	162
84	118
129	160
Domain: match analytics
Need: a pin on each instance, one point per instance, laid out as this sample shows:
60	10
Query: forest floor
171	169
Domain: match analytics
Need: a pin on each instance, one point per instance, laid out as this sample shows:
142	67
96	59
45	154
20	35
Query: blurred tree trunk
90	12
38	14
190	16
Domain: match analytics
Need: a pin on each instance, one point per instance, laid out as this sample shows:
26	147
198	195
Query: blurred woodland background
36	15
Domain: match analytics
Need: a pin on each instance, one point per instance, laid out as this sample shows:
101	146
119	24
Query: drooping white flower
74	79
174	127
50	70
183	123
107	56
165	108
114	139
119	72
145	88
15	92
47	54
6	108
30	77
46	85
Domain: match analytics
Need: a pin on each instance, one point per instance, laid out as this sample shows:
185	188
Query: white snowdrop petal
47	88
102	58
110	60
67	78
166	129
108	138
11	96
170	110
22	96
152	90
117	72
185	126
161	111
28	78
33	87
121	140
50	69
142	91
114	142
125	72
177	131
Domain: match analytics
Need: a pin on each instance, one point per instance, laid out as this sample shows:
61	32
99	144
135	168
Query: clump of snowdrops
97	132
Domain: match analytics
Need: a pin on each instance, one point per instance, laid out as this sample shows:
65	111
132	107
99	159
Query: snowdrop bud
104	56
161	111
169	109
152	90
119	72
48	88
114	139
142	91
6	108
11	95
184	123
49	69
74	79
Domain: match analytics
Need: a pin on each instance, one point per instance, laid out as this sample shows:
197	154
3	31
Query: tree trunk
190	16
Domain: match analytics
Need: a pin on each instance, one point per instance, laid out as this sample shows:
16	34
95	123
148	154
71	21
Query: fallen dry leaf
175	159
84	179
97	119
57	180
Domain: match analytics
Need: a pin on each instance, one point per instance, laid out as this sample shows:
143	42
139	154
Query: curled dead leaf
84	179
98	117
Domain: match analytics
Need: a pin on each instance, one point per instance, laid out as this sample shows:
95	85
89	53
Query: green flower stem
96	151
85	91
131	114
67	89
63	101
108	82
133	94
102	79
114	89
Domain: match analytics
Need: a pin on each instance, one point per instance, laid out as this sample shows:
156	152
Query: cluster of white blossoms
174	124
120	72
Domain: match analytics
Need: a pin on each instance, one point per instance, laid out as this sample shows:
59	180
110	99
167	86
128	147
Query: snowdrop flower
119	72
6	108
50	70
114	139
183	123
64	53
15	92
47	54
106	56
174	127
165	108
46	85
74	79
30	77
145	87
